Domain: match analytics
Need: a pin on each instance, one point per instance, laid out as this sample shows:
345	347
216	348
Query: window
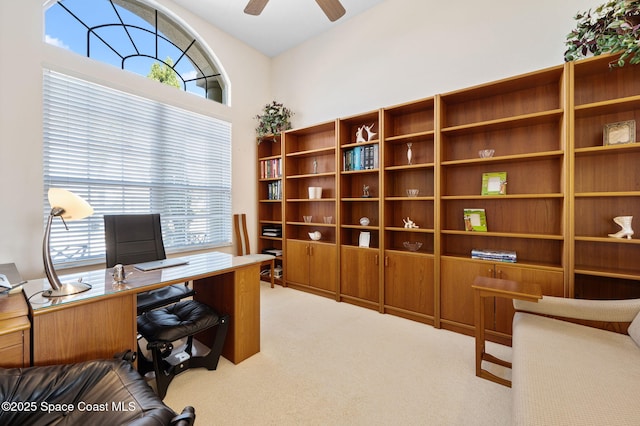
133	36
127	154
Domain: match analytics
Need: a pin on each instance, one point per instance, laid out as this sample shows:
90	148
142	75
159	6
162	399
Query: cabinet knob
386	261
375	261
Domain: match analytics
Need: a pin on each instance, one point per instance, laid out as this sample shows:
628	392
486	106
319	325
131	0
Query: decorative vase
625	224
409	152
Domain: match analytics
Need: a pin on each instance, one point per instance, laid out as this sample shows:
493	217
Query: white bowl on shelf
315	236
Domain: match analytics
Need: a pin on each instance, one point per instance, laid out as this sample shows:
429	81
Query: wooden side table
494	287
15	327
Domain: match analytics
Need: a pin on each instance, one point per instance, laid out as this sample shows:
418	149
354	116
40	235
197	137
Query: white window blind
126	154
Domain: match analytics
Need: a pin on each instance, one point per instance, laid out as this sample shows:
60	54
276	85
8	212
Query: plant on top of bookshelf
613	27
275	119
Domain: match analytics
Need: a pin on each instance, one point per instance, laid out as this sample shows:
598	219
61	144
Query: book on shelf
494	255
364	157
475	220
270	169
494	183
274	190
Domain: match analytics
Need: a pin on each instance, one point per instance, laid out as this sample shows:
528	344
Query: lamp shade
73	207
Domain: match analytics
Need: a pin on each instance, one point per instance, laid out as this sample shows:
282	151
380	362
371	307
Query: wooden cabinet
15	332
457	276
312	265
270	190
606	180
311	162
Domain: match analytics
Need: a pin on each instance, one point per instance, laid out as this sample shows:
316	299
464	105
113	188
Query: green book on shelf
475	220
494	183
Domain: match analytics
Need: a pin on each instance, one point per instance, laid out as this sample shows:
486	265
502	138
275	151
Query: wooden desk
494	287
102	321
14	331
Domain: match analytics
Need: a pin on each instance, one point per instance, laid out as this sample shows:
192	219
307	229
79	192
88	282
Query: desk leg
236	293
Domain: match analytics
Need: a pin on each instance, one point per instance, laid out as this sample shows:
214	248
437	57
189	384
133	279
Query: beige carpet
329	363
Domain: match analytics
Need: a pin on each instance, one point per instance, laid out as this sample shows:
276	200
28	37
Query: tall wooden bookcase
409	178
606	180
564	187
360	195
270	188
311	161
523	120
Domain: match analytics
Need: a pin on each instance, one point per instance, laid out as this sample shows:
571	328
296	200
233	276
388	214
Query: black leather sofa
101	392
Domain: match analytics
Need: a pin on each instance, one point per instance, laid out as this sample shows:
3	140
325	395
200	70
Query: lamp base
67	289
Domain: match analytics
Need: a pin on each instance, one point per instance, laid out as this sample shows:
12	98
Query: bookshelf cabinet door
297	264
322	266
456	294
359	275
408	282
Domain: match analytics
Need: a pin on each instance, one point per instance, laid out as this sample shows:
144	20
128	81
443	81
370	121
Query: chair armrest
592	310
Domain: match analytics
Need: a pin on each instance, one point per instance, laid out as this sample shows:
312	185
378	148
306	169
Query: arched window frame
181	28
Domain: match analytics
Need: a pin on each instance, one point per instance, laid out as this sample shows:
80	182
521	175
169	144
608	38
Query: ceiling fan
332	8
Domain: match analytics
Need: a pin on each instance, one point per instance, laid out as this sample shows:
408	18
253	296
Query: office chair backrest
133	238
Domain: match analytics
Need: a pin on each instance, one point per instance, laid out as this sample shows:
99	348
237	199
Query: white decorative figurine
370	133
625	224
409	223
360	134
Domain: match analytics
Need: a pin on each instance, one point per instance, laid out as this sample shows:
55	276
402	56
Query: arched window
133	36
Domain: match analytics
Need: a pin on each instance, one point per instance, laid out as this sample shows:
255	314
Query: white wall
23	55
403	50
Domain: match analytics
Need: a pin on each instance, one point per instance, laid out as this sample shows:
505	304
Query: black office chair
137	238
163	318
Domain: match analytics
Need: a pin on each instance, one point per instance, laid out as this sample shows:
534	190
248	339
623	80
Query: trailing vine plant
613	27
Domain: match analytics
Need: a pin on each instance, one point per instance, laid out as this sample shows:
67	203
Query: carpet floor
328	363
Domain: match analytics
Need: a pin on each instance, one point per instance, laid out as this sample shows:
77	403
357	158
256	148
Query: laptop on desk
159	264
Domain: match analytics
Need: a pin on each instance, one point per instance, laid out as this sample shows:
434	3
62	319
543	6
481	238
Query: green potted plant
275	119
613	27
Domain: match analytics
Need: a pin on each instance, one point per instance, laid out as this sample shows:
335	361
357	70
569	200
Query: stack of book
272	230
494	255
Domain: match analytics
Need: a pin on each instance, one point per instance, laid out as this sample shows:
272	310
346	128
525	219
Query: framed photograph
619	133
494	183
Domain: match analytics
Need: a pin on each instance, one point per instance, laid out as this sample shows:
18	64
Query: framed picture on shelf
619	133
475	220
494	183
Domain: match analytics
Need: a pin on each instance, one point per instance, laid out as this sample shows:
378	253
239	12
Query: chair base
168	361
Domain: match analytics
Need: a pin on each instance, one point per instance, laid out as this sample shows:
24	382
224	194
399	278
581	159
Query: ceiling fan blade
254	7
332	8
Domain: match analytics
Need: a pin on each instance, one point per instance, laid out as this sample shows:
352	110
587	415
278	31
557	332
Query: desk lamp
69	206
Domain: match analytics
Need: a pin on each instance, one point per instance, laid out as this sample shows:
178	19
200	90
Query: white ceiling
283	24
